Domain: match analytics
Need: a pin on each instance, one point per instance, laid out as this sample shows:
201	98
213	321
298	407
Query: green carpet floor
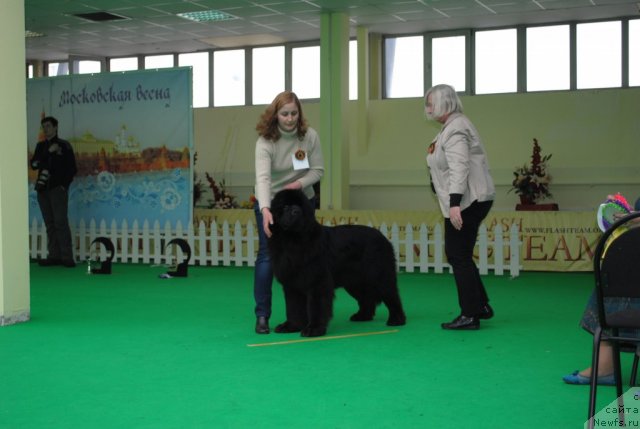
134	351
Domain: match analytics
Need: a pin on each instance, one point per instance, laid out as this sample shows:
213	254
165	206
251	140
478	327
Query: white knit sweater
274	164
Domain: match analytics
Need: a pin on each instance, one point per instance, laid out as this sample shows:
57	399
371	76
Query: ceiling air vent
100	16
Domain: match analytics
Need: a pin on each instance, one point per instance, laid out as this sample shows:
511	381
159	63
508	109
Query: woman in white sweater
460	178
288	156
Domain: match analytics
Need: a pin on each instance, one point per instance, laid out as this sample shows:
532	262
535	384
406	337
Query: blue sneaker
576	378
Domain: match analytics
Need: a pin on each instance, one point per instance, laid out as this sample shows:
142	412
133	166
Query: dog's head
292	212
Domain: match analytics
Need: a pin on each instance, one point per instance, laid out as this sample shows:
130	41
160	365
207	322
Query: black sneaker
462	323
69	263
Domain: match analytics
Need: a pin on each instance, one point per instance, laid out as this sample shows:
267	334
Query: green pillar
334	96
14	232
363	90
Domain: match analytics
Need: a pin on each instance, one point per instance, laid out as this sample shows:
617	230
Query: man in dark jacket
56	165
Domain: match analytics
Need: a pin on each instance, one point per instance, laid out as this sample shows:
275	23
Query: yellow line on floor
334	337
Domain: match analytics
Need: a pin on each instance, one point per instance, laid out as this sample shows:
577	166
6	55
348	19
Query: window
158	61
57	69
599	55
634	52
228	78
404	67
448	59
305	71
199	62
496	53
88	66
267	74
123	64
548	58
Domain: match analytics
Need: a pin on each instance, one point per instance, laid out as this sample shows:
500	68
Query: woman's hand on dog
267	217
293	185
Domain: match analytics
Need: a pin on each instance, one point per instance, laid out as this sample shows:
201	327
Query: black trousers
458	246
54	207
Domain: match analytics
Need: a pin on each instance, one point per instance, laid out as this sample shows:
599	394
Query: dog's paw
311	331
397	320
361	317
286	328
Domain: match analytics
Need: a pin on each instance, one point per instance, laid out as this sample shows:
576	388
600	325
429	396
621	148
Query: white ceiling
152	26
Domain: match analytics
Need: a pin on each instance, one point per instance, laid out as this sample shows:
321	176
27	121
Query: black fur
311	260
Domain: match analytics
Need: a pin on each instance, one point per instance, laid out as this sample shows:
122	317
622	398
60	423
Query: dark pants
263	275
54	206
459	245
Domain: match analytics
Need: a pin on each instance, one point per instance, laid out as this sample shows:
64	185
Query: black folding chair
634	367
632	348
616	268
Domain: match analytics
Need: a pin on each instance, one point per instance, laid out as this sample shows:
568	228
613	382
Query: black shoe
262	325
68	263
486	312
49	262
462	322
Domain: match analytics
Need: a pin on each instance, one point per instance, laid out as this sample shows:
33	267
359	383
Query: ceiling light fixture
207	15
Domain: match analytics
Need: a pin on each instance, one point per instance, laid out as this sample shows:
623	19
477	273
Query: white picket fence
419	250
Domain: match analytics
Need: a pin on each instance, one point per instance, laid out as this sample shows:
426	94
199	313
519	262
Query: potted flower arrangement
531	182
222	199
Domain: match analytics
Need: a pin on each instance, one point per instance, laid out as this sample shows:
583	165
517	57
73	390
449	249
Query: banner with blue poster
132	135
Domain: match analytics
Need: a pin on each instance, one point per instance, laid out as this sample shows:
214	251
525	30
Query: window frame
624	23
383	56
247	73
288	65
139	58
518	31
209	78
428	37
174	56
287	70
46	64
572	63
75	59
428	55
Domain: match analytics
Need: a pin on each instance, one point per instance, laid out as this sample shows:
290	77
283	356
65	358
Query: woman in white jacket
460	178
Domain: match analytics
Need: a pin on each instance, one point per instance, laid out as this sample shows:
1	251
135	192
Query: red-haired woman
288	156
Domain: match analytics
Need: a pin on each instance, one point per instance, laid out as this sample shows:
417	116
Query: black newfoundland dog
311	260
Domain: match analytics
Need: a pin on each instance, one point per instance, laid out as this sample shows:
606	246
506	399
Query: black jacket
61	163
